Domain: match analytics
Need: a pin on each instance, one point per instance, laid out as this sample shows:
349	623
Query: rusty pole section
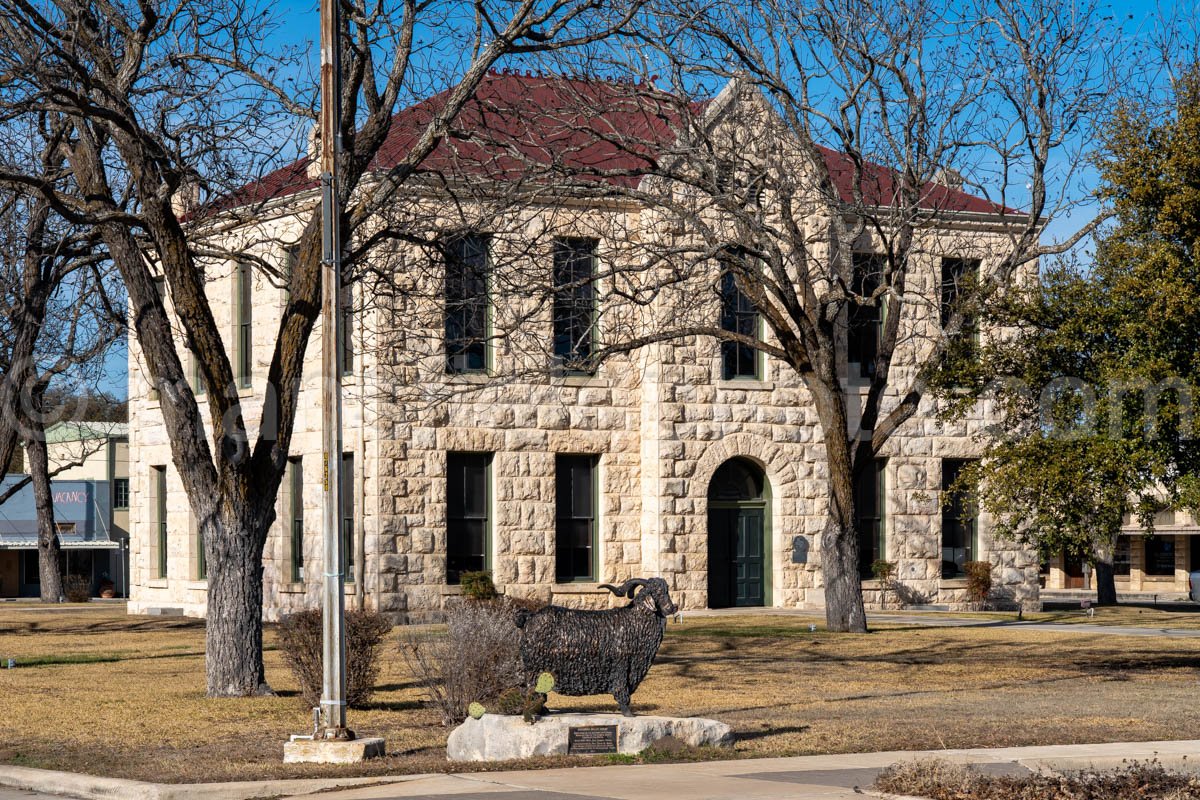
333	651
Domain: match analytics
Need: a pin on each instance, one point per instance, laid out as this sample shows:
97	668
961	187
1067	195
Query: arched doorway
738	498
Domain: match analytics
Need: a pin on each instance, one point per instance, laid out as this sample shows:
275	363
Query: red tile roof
609	132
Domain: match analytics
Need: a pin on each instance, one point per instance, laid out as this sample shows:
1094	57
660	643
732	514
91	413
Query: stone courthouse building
471	441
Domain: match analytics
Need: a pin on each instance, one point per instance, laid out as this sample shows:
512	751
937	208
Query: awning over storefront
81	514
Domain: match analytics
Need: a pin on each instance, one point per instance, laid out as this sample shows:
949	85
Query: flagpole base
333	751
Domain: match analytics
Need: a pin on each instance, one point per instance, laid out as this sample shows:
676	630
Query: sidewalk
800	778
805	777
947	619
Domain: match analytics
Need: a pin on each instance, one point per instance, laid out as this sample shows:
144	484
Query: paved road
21	794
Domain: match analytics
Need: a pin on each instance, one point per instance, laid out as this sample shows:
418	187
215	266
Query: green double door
736	569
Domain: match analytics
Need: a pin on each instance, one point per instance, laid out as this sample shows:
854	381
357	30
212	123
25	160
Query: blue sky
1137	20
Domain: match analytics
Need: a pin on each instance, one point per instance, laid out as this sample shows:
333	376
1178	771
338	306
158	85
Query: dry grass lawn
100	692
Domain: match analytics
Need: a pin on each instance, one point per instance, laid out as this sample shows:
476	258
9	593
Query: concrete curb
93	787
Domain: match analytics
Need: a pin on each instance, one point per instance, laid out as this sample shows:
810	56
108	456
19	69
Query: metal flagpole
333	691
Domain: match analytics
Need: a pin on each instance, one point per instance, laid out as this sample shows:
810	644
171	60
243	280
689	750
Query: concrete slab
330	751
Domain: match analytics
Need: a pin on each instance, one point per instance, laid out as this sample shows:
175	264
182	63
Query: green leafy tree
1096	391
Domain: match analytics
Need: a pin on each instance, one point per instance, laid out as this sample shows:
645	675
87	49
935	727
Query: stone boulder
496	737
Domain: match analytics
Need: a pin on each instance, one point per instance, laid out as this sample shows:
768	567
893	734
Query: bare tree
59	324
166	97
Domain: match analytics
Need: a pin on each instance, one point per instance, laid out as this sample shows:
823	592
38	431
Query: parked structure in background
91	510
1158	564
477	436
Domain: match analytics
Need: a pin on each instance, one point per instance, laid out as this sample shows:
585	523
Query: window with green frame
738	315
960	533
959	276
467	305
575	536
296	519
201	556
870	516
158	478
346	498
243	326
864	320
467	480
574	302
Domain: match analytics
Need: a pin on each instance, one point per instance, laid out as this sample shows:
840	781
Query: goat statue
598	652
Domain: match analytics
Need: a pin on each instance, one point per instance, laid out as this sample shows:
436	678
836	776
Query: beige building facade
685	459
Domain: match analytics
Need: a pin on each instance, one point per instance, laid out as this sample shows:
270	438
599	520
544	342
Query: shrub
941	780
300	641
477	585
475	661
77	589
979	581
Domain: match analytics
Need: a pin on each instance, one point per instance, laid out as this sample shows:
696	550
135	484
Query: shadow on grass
749	736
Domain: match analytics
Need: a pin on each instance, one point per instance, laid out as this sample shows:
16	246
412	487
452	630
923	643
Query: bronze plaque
591	740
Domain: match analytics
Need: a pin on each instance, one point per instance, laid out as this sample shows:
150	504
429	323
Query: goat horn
625	588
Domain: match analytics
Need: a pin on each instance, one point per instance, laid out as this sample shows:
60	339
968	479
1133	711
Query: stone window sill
872	584
953	583
580	380
747	385
157	583
291	588
468	378
201	586
583	587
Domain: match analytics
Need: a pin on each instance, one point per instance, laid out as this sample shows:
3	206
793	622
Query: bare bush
475	660
77	589
941	780
979	582
300	640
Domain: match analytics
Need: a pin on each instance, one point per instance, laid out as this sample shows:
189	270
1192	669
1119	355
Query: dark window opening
1121	556
346	496
467	266
959	276
959	529
738	315
244	334
575	529
296	517
574	302
865	319
120	493
1160	555
346	330
869	515
466	514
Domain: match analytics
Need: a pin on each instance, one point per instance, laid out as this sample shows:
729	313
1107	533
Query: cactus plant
545	683
476	710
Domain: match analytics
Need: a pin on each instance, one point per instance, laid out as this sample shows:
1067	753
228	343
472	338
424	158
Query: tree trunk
49	551
1102	561
844	610
1106	585
234	632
